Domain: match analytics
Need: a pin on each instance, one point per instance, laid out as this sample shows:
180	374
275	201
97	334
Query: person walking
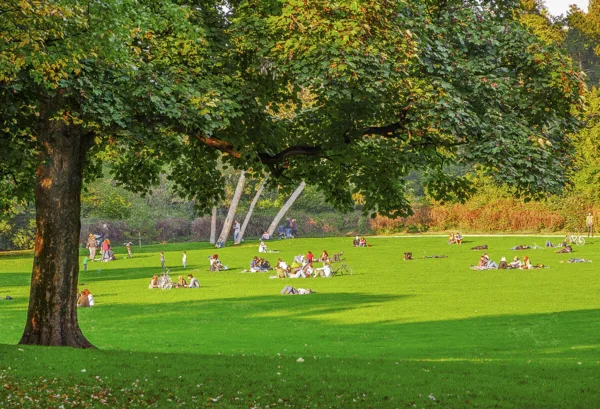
589	221
85	263
92	245
236	230
162	259
184	260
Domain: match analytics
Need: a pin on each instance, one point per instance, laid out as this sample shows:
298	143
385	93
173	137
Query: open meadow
394	334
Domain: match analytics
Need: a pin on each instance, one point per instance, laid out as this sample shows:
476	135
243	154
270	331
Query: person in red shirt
309	257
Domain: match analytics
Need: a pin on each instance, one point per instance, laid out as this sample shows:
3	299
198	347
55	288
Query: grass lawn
395	334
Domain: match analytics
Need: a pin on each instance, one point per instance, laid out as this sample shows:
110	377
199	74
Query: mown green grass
428	332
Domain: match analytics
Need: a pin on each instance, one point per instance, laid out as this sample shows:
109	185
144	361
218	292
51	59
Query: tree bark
234	202
213	226
285	208
251	210
52	312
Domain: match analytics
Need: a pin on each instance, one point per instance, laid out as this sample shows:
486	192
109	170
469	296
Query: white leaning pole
234	202
251	209
285	208
213	226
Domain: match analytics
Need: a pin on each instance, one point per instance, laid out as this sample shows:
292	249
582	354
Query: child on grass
162	259
85	263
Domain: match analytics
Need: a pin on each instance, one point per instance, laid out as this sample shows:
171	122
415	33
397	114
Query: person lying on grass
526	265
153	282
482	247
292	291
576	260
566	249
194	283
521	247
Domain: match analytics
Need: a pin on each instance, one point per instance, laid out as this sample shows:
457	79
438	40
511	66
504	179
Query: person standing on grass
184	260
162	259
85	263
294	228
236	230
128	247
589	221
92	245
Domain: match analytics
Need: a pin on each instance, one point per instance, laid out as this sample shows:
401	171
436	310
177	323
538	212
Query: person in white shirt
184	260
262	248
324	271
194	283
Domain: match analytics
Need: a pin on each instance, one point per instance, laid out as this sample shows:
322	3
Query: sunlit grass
395	328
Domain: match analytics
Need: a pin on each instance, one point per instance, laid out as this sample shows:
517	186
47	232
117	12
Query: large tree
348	96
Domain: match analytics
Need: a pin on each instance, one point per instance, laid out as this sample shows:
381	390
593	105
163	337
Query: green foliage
350	97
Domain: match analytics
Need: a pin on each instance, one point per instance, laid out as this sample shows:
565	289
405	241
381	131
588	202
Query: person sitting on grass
502	265
362	242
265	236
194	283
262	247
181	283
516	263
356	242
566	249
550	244
324	271
576	260
215	263
83	300
292	291
458	238
90	297
324	257
153	282
220	243
451	238
282	269
526	265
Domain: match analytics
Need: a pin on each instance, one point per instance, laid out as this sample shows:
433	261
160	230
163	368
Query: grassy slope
390	335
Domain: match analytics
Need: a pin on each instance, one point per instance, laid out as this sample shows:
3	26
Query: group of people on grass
181	282
85	298
107	253
455	238
486	263
360	242
303	266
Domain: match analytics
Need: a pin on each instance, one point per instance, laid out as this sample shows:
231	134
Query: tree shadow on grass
169	379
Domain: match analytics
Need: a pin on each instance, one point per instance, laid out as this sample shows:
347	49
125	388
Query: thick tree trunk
52	313
213	226
285	208
251	209
234	202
